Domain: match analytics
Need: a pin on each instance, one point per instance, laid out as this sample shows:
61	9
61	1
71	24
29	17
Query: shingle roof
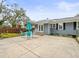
61	20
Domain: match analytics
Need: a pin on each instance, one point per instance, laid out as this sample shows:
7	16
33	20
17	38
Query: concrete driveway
39	47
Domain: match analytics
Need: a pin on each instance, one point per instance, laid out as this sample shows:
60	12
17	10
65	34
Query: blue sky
52	9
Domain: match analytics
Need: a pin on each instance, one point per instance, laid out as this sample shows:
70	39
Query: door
46	28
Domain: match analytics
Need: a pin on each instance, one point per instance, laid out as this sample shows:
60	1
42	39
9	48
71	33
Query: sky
51	9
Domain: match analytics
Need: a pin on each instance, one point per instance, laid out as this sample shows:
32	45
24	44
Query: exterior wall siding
64	32
69	30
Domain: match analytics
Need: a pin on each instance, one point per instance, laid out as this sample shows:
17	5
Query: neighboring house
63	26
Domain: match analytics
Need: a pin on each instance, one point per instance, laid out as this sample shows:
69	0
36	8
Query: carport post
77	34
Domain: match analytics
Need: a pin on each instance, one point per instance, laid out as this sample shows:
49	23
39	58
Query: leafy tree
1	22
11	12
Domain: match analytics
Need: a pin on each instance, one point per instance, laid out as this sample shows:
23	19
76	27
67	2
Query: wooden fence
12	30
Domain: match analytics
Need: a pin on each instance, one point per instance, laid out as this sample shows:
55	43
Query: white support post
77	26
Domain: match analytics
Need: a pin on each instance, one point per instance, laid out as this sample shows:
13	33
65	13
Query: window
36	25
53	26
41	27
50	25
60	26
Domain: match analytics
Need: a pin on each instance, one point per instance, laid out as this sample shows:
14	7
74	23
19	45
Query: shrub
51	34
74	36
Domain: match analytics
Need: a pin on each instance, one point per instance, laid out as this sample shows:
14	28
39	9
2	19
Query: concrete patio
39	47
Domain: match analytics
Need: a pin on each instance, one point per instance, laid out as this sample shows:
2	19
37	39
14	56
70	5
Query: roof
42	21
66	20
61	20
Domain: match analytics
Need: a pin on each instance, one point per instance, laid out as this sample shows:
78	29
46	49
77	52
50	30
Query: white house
63	26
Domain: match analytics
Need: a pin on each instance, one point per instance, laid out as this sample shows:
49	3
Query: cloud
41	12
65	6
59	10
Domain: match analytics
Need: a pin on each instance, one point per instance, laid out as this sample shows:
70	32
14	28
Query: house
63	26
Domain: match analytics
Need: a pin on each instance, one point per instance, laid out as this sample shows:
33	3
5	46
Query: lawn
8	35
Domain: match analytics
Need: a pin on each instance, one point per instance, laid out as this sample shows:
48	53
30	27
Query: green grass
8	35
